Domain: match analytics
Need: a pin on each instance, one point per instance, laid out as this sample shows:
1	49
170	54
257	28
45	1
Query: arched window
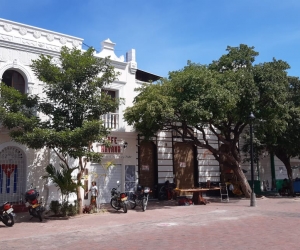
14	79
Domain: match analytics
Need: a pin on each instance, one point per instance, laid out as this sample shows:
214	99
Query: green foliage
216	99
73	209
64	209
55	207
285	141
63	179
17	110
221	96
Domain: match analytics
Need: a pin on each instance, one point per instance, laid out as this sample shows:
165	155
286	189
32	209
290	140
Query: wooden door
147	164
184	165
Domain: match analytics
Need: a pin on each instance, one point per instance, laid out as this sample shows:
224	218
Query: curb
56	218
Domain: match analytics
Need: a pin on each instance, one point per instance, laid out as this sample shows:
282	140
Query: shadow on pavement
156	205
24	217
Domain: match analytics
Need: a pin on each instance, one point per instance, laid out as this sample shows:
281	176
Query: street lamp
253	198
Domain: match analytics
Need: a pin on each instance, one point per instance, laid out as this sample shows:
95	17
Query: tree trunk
286	161
78	192
226	159
290	175
243	181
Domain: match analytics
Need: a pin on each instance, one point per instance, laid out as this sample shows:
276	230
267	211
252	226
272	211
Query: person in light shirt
94	194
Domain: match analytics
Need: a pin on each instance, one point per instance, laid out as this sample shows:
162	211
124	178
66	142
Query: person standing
94	194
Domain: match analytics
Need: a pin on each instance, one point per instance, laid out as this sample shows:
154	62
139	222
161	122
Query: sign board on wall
115	147
182	164
145	167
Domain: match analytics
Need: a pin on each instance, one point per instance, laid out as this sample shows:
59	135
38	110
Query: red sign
115	148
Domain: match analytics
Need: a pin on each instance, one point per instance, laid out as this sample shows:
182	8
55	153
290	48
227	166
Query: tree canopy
216	99
284	144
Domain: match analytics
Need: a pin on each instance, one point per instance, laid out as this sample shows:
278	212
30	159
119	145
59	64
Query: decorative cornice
32	36
31	39
118	65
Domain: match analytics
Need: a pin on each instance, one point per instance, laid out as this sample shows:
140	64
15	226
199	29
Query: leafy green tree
286	143
69	109
215	100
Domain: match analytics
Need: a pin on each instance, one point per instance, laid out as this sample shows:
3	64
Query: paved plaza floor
273	224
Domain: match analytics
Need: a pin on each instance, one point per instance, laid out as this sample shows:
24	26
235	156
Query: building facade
131	159
21	167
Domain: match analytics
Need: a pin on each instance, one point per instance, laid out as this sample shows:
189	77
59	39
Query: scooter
7	215
35	208
140	198
118	199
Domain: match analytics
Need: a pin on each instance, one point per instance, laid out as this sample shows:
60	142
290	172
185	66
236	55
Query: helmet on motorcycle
113	191
139	188
31	194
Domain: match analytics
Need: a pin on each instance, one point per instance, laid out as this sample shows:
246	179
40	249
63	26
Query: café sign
115	148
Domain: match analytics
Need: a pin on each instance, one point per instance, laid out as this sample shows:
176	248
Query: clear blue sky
167	33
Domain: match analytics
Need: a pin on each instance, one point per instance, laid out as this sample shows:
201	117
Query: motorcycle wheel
144	204
162	193
114	204
30	211
132	204
124	207
39	215
9	220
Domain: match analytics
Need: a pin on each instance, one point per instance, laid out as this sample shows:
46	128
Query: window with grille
12	175
130	181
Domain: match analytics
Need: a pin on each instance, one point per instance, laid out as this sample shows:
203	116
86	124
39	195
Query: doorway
185	165
147	164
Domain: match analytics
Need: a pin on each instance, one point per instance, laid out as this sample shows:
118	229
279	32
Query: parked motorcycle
140	198
35	208
7	215
166	191
118	199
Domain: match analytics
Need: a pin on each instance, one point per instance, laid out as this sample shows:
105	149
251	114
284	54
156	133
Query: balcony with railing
111	120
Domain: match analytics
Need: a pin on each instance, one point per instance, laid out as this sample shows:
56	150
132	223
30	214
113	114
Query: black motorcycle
7	215
35	208
118	199
140	198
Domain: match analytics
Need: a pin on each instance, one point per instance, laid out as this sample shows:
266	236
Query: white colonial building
21	167
134	161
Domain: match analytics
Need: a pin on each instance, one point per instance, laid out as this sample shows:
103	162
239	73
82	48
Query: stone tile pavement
273	224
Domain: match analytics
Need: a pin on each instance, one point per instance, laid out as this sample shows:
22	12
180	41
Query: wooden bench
198	194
